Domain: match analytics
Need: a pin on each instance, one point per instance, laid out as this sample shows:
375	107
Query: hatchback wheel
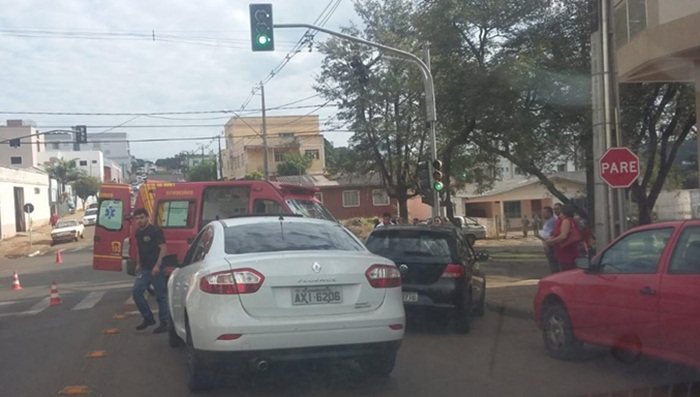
200	377
558	334
379	365
173	339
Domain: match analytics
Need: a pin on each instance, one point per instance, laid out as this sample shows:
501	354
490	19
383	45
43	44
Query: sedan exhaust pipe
260	364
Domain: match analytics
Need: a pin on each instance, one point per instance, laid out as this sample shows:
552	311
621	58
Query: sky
81	59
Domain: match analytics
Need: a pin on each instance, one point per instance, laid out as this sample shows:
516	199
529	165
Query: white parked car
67	230
257	290
90	216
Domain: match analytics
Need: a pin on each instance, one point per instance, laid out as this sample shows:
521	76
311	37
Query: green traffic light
438	186
263	40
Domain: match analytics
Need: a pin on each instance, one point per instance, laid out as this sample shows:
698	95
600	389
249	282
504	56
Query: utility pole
264	133
433	139
221	167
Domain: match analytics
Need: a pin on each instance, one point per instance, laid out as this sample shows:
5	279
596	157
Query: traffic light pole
427	82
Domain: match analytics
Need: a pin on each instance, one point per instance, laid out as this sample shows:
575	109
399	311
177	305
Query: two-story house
244	152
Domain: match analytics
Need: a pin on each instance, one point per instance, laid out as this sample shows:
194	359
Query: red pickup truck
640	294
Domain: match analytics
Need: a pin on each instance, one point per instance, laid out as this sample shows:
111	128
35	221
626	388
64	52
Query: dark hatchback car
438	267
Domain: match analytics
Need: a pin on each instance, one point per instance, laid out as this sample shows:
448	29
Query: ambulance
182	209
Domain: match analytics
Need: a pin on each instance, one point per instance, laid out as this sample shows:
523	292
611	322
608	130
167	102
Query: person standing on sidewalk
151	250
546	232
526	225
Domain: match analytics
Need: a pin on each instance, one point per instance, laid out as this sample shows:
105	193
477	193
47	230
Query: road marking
130	301
111	331
7	303
96	354
138	312
70	390
38	308
90	300
119	316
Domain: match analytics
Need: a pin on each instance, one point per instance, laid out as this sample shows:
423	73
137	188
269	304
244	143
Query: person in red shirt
565	255
54	219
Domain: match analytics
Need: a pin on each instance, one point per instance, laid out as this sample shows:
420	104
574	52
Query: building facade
113	145
92	162
20	152
17	188
244	152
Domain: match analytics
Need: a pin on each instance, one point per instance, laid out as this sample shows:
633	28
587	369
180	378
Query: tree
173	163
204	171
387	112
87	186
340	160
254	176
294	164
656	119
64	171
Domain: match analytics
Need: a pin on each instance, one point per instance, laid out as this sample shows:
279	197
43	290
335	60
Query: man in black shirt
151	250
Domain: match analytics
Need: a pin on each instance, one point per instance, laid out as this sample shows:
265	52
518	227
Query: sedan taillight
232	282
453	271
383	276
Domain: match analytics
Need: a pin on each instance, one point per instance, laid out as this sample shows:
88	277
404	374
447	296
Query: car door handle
647	291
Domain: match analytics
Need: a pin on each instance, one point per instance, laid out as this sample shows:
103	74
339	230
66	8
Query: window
223	202
267	206
275	236
37	190
111	215
176	214
314	154
319	196
351	198
309	209
561	168
94	161
286	135
686	256
55	145
83	162
518	171
200	246
637	253
16	160
15	142
512	209
379	197
279	156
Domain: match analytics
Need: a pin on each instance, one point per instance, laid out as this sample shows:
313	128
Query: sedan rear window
288	236
411	245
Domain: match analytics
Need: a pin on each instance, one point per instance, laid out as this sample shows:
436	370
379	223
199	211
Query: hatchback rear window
412	245
288	236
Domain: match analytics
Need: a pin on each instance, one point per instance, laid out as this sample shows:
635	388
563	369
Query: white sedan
67	230
257	290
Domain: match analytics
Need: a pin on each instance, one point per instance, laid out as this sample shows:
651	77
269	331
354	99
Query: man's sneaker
145	324
163	327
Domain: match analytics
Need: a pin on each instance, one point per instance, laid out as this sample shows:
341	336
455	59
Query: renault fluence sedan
257	290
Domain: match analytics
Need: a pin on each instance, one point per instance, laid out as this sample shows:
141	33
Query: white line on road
7	303
90	300
130	301
38	308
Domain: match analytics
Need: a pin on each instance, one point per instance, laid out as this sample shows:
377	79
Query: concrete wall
670	10
28	149
677	205
36	192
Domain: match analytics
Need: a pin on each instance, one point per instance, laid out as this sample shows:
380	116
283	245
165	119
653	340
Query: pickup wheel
558	334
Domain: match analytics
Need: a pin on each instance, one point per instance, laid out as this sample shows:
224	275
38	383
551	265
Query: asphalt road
43	350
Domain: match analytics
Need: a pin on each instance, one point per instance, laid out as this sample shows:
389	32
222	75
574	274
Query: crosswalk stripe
90	300
7	303
38	308
130	301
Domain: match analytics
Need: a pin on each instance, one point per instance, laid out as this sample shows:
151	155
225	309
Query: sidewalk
18	246
511	285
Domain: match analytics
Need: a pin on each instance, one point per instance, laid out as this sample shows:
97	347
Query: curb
33	254
504	310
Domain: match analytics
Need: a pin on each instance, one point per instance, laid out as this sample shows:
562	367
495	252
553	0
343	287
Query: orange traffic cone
15	282
55	299
58	256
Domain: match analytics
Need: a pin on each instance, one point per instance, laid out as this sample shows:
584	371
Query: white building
114	146
511	171
92	162
19	147
17	188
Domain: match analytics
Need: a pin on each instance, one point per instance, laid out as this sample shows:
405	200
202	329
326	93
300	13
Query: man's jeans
160	286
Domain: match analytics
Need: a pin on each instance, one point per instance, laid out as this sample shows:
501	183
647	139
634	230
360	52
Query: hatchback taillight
231	282
383	276
453	271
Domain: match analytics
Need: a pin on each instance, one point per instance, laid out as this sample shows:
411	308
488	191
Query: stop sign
619	167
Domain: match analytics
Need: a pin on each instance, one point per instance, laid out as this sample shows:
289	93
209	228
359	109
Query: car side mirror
171	261
482	255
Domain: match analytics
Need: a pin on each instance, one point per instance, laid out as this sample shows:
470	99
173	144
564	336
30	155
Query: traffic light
359	70
261	32
424	183
437	176
80	134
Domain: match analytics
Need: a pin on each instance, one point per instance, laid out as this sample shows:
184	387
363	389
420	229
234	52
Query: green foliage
87	186
294	164
254	176
173	163
65	172
204	171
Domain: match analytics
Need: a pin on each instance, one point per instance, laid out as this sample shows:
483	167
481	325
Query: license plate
410	297
316	295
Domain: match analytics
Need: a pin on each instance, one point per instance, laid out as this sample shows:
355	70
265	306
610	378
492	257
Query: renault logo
403	269
316	267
